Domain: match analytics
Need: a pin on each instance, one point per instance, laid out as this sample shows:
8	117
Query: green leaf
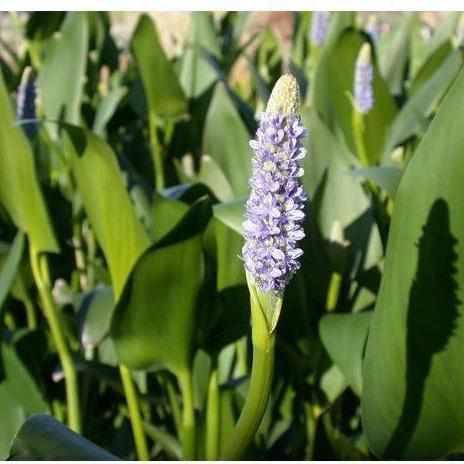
107	204
413	117
19	397
65	54
394	52
107	108
19	188
154	321
387	177
344	337
341	84
162	89
433	64
226	140
9	267
412	397
44	438
232	214
196	73
338	196
166	214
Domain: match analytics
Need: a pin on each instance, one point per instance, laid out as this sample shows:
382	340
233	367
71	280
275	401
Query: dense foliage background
121	203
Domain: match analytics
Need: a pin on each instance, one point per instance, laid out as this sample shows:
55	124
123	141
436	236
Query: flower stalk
272	230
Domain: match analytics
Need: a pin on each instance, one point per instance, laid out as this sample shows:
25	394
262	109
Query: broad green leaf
154	321
387	177
320	94
107	204
341	84
413	372
9	267
232	214
166	214
196	73
432	65
62	74
19	397
226	140
162	89
226	318
344	337
413	117
20	193
394	52
44	438
338	196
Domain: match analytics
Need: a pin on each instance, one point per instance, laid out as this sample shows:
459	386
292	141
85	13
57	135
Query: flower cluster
275	208
363	77
319	27
26	102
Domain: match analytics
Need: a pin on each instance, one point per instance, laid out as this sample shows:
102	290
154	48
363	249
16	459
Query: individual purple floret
26	102
275	207
363	77
319	27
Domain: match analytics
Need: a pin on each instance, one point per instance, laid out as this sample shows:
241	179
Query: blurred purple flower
363	77
275	207
319	27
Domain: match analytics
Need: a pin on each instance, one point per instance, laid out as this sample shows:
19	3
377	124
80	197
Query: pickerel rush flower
363	77
275	208
26	101
319	27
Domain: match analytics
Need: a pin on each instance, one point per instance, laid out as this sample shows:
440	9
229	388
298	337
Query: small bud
61	292
398	154
285	96
363	77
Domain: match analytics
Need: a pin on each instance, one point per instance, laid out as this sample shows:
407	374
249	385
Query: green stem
41	277
188	415
334	291
134	414
30	314
213	412
257	397
358	132
157	155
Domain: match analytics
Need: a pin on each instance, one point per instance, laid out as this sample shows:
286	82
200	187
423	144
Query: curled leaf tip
285	96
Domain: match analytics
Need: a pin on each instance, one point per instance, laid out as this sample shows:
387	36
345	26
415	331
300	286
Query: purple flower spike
363	77
275	207
319	27
25	102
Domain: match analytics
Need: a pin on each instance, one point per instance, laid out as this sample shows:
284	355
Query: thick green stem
41	275
257	397
134	414
212	415
188	415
